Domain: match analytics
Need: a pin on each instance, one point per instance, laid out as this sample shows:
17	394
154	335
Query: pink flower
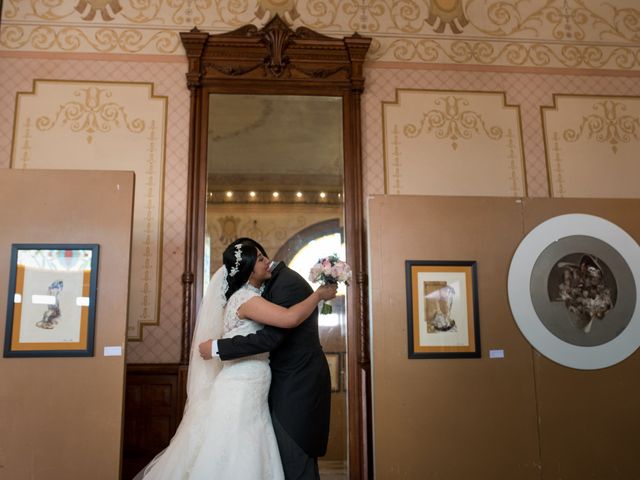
326	267
315	273
337	271
330	270
345	273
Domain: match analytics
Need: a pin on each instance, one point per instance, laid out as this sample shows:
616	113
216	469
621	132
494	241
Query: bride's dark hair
244	265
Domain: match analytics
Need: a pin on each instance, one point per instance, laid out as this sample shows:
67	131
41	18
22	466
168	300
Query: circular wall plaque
573	291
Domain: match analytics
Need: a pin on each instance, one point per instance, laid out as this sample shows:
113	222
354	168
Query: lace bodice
231	319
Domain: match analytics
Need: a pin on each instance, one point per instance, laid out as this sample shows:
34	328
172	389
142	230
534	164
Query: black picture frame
442	309
51	301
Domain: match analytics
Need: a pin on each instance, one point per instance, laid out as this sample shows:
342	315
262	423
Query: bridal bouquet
330	270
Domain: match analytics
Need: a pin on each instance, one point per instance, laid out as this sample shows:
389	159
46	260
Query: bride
226	431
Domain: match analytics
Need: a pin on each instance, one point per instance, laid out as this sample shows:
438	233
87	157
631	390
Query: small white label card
113	351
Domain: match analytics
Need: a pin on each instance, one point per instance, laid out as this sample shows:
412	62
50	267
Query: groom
300	394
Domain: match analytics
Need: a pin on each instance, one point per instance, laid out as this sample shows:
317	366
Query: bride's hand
205	349
328	291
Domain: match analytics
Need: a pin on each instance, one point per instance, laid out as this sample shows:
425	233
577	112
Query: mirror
274	168
274	154
275	174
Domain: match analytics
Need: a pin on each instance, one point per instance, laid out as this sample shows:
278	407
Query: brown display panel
522	416
450	418
588	419
62	417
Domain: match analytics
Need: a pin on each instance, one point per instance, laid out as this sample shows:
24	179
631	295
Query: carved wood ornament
277	60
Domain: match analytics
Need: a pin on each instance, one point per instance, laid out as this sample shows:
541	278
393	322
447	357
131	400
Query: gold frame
17	346
446	339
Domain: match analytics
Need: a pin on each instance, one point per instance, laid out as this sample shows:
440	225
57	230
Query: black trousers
296	463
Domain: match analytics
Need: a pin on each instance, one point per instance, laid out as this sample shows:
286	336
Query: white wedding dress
226	431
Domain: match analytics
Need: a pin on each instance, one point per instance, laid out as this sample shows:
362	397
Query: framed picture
52	300
333	359
442	309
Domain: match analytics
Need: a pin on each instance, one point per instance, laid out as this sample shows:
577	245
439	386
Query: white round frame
583	358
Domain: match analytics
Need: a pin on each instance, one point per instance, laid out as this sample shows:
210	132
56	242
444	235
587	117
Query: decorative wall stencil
104	126
452	143
607	125
520	54
573	291
443	13
106	8
91	113
591	146
557	19
451	119
285	8
598	34
228	229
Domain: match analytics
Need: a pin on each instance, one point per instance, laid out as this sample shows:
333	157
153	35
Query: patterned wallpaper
530	91
453	45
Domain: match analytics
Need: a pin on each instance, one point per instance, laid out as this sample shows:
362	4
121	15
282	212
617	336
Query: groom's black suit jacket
300	394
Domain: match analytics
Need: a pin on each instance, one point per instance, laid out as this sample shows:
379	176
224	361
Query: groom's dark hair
251	241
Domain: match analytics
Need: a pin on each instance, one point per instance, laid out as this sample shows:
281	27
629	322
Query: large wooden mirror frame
277	60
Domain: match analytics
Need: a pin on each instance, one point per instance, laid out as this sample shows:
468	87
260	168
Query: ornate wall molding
452	143
591	145
105	126
595	34
505	53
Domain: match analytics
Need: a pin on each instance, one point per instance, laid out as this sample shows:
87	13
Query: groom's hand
205	349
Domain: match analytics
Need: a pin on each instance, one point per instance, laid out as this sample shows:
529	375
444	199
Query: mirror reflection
275	174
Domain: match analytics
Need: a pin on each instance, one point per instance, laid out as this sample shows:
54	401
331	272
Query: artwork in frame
333	359
442	309
51	300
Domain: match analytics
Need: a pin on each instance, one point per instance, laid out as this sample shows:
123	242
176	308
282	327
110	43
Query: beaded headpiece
236	268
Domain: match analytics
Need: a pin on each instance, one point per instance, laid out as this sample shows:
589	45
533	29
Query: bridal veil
177	459
209	325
